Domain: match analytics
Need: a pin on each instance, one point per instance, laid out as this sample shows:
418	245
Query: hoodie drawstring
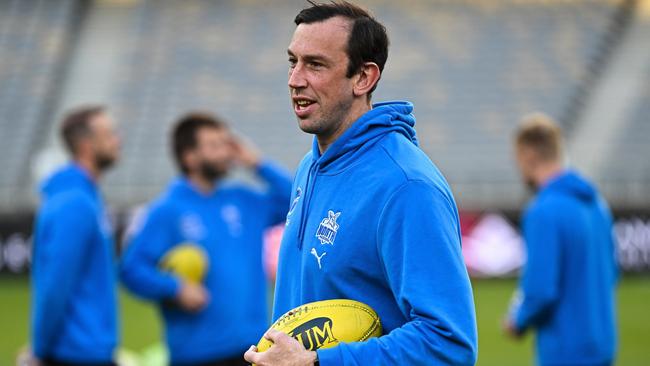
309	189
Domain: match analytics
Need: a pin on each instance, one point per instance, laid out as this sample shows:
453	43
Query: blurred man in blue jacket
74	319
372	219
214	321
567	288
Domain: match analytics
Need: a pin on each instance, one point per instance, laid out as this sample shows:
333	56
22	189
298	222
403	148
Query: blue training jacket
73	275
570	276
373	220
229	225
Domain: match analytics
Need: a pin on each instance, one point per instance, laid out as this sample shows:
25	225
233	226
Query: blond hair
542	134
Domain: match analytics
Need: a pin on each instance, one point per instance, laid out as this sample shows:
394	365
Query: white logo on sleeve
328	228
314	252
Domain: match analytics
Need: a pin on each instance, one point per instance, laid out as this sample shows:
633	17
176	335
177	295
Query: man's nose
297	78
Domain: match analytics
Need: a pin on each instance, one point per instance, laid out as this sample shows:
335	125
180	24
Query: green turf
140	326
492	296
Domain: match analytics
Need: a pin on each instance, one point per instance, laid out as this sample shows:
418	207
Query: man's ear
83	146
366	78
189	159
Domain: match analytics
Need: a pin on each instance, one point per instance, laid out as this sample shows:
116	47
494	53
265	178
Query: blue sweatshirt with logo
74	308
373	220
229	225
569	280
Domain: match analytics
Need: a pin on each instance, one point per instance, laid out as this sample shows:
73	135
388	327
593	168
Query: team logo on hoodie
328	228
192	227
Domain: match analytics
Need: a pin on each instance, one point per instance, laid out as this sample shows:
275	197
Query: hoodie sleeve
66	239
279	191
539	284
139	268
419	245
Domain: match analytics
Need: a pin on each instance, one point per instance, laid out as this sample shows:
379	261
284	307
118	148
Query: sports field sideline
140	326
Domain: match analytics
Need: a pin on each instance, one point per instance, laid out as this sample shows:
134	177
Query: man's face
321	93
527	161
104	141
214	153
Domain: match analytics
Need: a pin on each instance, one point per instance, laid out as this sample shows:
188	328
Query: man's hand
27	358
245	153
192	297
510	329
285	351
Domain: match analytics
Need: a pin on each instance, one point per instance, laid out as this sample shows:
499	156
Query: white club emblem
328	228
192	227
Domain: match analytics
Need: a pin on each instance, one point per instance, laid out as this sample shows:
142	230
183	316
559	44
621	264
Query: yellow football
324	324
186	260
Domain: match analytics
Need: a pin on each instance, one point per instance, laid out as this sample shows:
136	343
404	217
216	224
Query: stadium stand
34	39
472	68
627	167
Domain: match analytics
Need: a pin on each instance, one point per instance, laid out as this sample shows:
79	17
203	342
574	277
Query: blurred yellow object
186	260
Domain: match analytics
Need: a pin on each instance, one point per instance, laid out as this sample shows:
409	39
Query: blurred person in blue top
74	320
567	289
372	219
211	322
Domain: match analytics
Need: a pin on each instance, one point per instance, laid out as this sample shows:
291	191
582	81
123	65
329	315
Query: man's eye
292	62
315	64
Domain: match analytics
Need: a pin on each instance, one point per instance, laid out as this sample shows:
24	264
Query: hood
70	177
183	187
383	118
572	183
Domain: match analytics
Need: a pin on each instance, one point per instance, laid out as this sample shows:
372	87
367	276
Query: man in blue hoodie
372	219
210	323
567	289
74	319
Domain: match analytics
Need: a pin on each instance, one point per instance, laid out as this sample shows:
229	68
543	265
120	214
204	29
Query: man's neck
89	167
325	141
547	172
203	185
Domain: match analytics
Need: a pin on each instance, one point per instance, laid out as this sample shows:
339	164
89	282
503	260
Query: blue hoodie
373	220
73	276
229	225
570	276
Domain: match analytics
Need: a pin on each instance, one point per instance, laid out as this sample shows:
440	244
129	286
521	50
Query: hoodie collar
184	185
572	183
71	176
382	119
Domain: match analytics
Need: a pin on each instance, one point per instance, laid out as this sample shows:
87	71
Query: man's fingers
252	355
276	336
271	334
205	298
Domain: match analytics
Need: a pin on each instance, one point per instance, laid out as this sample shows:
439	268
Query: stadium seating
34	37
472	69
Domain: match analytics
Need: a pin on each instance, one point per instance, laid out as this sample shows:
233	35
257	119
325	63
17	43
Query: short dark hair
542	134
368	40
76	125
184	135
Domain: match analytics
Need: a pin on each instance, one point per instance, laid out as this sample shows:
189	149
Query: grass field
140	326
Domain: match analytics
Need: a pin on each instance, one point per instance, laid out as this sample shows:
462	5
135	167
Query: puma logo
318	258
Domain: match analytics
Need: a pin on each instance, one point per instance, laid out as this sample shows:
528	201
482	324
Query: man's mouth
303	107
